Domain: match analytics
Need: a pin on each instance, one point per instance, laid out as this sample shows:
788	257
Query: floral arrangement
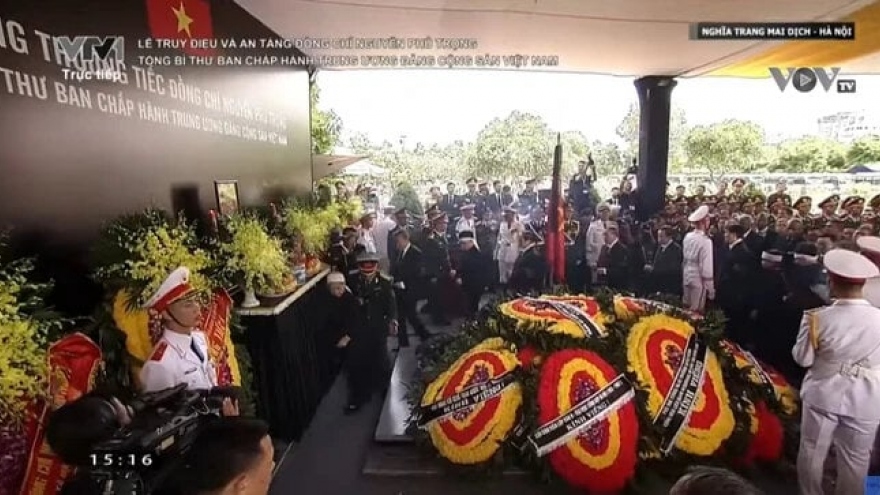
472	435
135	254
613	391
252	256
311	226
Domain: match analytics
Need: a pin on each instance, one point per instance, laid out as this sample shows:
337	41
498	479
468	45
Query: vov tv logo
805	79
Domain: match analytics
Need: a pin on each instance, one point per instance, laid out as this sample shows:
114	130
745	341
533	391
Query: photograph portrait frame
228	202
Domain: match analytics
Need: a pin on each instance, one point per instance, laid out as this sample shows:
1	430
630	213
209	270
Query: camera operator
580	188
230	456
129	447
181	355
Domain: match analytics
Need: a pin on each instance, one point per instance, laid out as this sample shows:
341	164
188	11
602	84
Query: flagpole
555	242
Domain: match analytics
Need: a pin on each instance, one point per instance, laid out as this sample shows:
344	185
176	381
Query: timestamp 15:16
121	460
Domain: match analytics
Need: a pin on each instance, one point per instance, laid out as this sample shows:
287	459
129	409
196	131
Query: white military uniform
465	225
698	271
507	248
870	246
367	239
840	344
177	357
175	360
595	240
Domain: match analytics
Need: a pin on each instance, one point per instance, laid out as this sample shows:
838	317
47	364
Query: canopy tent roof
865	168
324	165
623	38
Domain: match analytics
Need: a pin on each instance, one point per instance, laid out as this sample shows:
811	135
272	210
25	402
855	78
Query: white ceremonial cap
174	288
870	246
700	213
849	266
335	278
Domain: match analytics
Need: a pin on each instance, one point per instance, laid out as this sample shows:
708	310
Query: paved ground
330	458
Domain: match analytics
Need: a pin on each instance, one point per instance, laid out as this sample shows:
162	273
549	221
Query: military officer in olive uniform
829	208
367	364
780	196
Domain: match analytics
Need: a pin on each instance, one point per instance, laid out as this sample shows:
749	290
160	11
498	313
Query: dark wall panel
66	167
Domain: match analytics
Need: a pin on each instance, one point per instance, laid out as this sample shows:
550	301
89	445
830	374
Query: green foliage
864	150
406	197
725	147
608	158
628	131
326	125
519	145
809	154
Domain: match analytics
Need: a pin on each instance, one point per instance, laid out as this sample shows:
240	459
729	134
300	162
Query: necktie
195	349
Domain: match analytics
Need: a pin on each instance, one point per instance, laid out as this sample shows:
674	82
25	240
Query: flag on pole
185	21
555	241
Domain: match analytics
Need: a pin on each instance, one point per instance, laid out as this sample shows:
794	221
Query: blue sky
445	105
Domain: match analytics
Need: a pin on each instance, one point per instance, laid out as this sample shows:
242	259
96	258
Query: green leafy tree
326	125
516	146
628	131
575	147
808	154
864	150
406	197
608	158
724	148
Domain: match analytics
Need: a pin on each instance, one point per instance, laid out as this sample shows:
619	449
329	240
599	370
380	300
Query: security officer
530	270
698	271
840	344
438	268
367	364
181	354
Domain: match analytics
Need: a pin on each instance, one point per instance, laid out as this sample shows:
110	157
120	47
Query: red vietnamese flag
555	241
183	20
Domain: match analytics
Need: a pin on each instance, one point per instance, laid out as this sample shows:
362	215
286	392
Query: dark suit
337	258
407	268
615	261
392	244
437	268
666	273
450	203
755	242
367	362
529	271
492	202
737	278
473	272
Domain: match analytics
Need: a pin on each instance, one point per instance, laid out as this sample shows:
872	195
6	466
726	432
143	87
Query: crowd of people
789	280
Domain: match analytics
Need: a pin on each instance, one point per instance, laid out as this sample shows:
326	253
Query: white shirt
833	339
173	361
698	269
367	239
380	235
595	239
465	225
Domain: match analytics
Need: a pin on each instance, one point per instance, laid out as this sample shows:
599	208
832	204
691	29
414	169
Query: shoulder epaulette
159	351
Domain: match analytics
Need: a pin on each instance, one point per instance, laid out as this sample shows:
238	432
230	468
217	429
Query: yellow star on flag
183	20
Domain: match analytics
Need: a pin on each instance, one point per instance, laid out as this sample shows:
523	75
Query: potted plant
254	258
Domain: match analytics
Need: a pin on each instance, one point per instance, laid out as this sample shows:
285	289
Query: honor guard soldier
829	210
438	269
738	195
471	196
530	270
870	247
803	205
840	344
698	273
376	317
181	354
851	211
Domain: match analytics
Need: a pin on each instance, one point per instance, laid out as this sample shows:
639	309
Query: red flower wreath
769	436
603	457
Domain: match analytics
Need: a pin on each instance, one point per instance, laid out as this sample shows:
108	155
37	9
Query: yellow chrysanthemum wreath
474	435
529	310
653	345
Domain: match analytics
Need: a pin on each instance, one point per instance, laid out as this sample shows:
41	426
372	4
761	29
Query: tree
575	148
608	158
326	125
864	150
406	197
725	147
628	131
809	154
517	146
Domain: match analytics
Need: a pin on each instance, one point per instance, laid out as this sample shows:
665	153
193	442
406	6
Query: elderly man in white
840	344
508	243
698	271
380	237
595	239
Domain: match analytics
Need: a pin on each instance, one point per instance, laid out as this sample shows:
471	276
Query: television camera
131	447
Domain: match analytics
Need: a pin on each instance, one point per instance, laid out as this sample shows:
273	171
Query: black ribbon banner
469	397
575	314
682	395
584	414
